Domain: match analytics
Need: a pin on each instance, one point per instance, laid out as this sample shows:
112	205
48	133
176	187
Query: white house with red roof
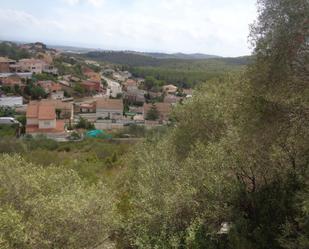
42	119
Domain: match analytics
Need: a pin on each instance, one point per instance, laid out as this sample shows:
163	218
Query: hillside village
55	94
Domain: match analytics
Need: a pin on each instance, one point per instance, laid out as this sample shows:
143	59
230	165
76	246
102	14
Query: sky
219	27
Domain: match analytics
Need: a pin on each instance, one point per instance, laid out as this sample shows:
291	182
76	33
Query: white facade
109	114
47	124
32	121
32	65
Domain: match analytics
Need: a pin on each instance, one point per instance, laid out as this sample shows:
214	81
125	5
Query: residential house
130	85
6	64
32	65
42	119
85	107
170	89
64	110
48	68
134	96
111	109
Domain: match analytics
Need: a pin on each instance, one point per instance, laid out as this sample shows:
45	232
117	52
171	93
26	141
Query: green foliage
238	153
15	90
7	131
34	91
153	84
188	73
12	229
69	65
153	113
84	124
44	76
182	72
74	136
104	82
295	232
79	89
90	158
51	208
6	111
136	130
12	51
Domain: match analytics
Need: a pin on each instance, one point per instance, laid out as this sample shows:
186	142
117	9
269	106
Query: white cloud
216	27
95	3
72	2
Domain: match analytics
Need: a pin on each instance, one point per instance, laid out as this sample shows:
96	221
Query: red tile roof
32	110
110	104
41	110
47	112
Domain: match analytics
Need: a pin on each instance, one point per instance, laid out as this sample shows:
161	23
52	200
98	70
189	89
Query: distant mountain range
132	58
183	56
156	55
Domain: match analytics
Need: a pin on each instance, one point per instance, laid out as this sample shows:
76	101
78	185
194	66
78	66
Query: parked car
8	121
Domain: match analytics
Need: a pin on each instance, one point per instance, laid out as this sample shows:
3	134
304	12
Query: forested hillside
197	56
189	73
230	172
179	71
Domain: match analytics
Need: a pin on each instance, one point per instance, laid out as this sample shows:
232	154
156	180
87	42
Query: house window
46	123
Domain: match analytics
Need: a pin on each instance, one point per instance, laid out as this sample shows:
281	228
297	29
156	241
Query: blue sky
218	27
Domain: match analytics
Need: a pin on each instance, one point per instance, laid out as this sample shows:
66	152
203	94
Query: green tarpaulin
98	134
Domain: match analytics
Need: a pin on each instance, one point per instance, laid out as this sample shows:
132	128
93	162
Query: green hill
185	72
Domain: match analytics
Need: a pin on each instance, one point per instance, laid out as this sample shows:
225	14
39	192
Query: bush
51	208
84	124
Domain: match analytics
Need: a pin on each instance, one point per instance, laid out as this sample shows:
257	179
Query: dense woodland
181	72
237	153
